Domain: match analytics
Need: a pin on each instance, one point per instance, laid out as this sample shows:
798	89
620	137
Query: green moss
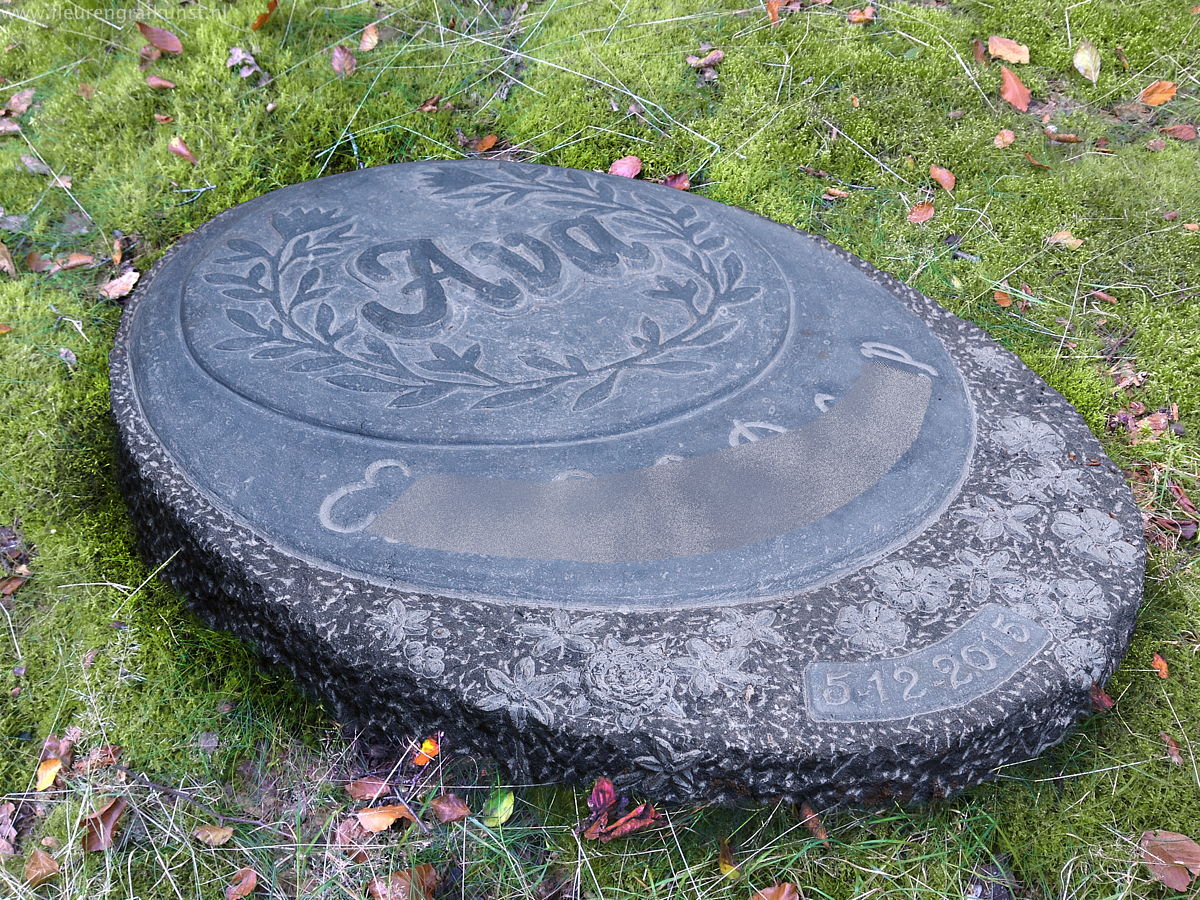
873	106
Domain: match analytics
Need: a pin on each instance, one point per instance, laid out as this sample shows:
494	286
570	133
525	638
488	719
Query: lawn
817	121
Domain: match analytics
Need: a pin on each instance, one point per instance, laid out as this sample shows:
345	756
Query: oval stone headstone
605	478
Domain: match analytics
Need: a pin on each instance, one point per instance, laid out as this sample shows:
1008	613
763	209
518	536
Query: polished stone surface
609	477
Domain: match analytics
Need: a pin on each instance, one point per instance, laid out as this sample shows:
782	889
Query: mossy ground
108	649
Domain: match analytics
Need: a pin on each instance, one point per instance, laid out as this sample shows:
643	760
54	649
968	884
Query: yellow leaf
499	809
725	861
1087	61
1158	93
47	772
1007	49
213	835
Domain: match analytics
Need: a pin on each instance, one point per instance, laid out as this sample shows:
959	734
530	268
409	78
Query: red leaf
603	797
159	84
449	808
1172	858
639	818
263	17
944	177
679	181
160	38
1007	49
1101	701
1013	90
244	882
813	823
921	212
179	148
1180	132
100	827
626	167
784	891
485	143
343	61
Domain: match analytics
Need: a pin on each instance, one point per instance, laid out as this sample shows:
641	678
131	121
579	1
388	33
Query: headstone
600	477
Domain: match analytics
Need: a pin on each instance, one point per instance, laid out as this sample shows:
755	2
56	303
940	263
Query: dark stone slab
602	477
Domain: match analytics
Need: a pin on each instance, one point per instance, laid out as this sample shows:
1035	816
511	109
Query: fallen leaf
1101	701
861	16
979	51
449	808
7	265
40	868
213	835
119	286
1036	163
773	10
834	194
98	757
179	148
679	181
100	827
814	824
418	883
160	38
1173	753
369	39
1180	132
921	212
713	58
18	104
1191	226
1156	144
1007	49
86	91
725	862
35	166
626	167
343	61
1065	239
159	84
381	818
603	797
38	262
1102	295
47	771
784	891
1003	138
262	18
430	105
147	56
8	126
944	177
369	788
1158	93
485	143
428	750
1013	90
245	880
498	809
1159	665
640	817
1087	61
246	61
1171	857
350	837
162	119
1059	137
8	833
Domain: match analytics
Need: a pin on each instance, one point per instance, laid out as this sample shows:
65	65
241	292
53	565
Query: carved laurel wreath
351	357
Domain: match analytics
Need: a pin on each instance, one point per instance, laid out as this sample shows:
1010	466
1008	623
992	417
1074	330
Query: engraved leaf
315	364
324	320
713	335
362	383
741	295
440	365
544	364
379	349
677	366
244	321
512	398
224	278
441	351
576	364
241	294
257	271
418	396
597	393
651	331
733	268
244	343
245	246
276	352
309	280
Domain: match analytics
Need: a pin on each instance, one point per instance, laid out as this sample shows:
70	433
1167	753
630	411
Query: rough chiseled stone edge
239	581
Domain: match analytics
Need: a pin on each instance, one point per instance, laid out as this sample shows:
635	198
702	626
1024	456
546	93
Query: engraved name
973	661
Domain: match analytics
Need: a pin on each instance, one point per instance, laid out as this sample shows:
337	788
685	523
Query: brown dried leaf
160	38
1007	49
1173	753
449	808
638	818
1065	239
369	39
834	194
8	832
861	16
773	10
40	868
944	177
119	286
19	103
1158	93
159	84
100	827
245	880
725	862
1156	144
1003	138
263	18
37	262
180	149
8	126
1036	163
162	119
381	818
1101	701
713	58
418	883
1060	138
979	51
35	166
783	891
1171	857
369	788
1013	90
1087	61
1181	132
485	143
343	61
814	824
1159	665
98	757
680	181
626	167
147	56
430	105
213	835
7	264
86	90
350	837
921	212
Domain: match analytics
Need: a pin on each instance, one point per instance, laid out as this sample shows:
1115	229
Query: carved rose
634	680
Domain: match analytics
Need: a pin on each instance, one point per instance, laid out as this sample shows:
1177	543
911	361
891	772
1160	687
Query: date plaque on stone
600	477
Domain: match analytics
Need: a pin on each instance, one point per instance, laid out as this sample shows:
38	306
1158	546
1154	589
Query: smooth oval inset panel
620	478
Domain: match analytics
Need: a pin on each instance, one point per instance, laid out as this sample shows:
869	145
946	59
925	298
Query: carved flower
1044	483
872	627
1021	434
399	622
1082	599
906	587
993	520
1095	535
425	659
1035	600
301	221
984	573
522	693
633	680
1083	659
744	629
562	633
711	669
665	768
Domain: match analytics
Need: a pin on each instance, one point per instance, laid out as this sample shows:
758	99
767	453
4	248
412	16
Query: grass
105	648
